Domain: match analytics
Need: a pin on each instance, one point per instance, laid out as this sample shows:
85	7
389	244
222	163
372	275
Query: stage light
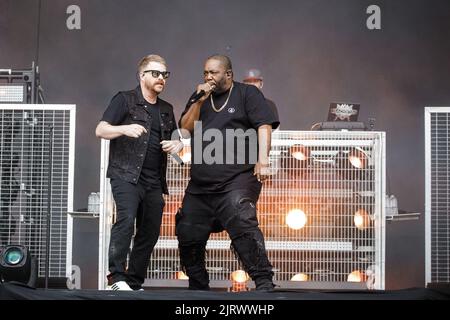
296	219
358	158
239	276
300	277
299	152
355	276
12	93
16	264
239	279
361	219
182	276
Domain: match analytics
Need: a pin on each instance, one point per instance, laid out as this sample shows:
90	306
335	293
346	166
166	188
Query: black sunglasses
156	73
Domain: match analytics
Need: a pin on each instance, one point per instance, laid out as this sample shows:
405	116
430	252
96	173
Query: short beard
151	88
221	87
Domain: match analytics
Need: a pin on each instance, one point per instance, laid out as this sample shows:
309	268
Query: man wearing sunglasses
222	194
139	125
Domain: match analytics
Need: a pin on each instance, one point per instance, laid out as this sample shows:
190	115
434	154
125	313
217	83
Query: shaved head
224	61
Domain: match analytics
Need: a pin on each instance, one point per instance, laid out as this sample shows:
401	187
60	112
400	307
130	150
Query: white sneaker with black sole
120	286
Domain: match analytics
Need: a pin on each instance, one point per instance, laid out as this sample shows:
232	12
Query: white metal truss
437	195
24	176
323	217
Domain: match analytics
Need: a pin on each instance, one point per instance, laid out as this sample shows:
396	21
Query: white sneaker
121	286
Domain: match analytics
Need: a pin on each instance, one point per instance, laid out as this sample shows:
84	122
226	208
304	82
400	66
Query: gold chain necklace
226	101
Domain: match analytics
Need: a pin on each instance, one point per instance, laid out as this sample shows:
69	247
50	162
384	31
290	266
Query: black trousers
134	203
233	211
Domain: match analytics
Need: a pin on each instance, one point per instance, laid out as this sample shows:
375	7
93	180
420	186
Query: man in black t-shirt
255	78
232	126
139	125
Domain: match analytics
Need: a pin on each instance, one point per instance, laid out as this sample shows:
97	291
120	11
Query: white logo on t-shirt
231	110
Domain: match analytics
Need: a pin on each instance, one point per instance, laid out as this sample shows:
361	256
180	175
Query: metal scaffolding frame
322	214
24	181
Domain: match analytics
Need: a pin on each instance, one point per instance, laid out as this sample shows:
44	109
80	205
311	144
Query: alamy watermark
374	20
74	281
73	21
236	146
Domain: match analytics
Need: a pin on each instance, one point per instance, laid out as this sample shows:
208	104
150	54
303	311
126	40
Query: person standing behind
139	124
255	78
222	195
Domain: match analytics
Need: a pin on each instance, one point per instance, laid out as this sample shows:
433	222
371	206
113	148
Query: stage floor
12	291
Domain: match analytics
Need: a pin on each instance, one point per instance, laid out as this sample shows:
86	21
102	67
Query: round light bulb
361	219
355	276
300	277
296	219
239	276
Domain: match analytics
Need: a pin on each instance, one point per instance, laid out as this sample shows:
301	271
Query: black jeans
134	202
233	211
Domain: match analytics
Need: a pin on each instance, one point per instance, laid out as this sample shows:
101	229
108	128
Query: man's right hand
133	130
193	113
208	88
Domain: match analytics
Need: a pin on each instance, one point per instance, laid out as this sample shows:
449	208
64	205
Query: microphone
200	94
177	158
197	97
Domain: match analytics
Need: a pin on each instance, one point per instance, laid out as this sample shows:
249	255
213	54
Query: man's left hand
172	146
262	171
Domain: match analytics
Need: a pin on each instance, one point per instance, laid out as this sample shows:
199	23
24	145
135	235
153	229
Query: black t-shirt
273	106
116	113
214	171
